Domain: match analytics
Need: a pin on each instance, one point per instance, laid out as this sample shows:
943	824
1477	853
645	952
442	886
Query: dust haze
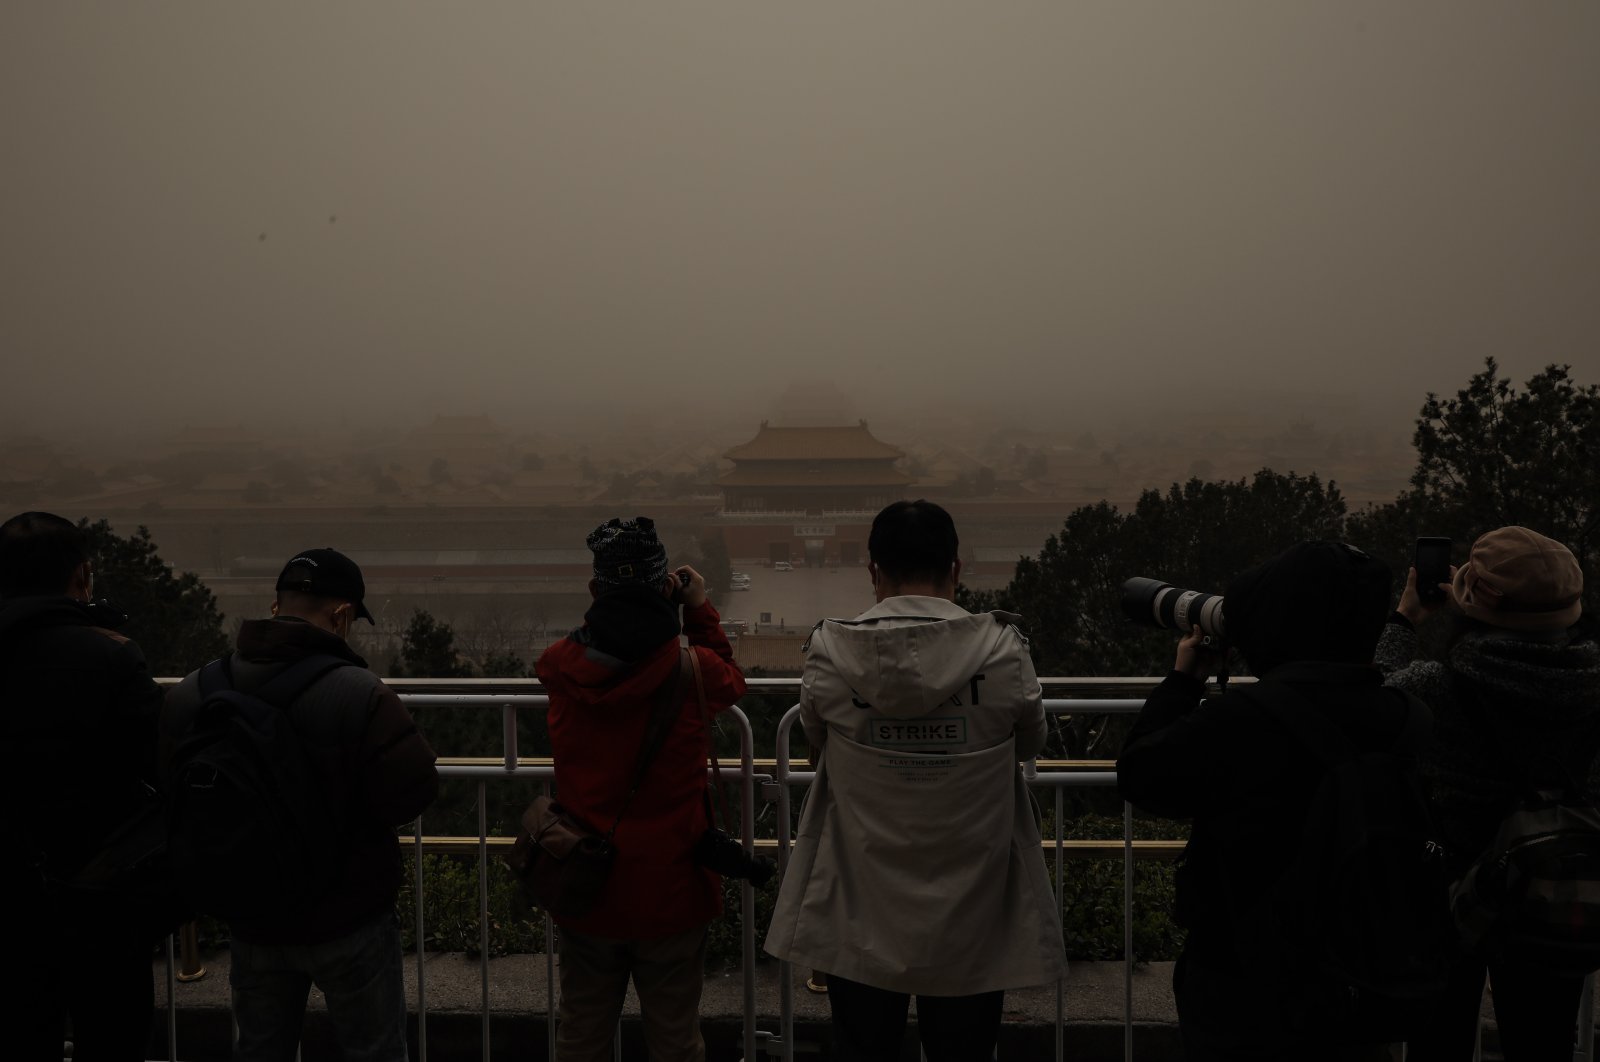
300	215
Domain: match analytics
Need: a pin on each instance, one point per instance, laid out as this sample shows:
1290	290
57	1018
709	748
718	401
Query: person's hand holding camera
1198	655
688	587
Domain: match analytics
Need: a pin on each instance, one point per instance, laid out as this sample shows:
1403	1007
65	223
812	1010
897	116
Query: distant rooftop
853	443
798	474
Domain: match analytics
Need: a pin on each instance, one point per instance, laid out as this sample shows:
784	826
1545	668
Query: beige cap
1521	580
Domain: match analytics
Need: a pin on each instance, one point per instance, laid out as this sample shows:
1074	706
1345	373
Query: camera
715	850
1158	604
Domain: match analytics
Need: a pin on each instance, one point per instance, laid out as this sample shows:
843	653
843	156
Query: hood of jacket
907	655
627	647
283	639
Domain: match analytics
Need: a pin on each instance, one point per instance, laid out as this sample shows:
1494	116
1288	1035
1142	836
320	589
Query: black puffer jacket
78	713
1245	781
367	752
1505	705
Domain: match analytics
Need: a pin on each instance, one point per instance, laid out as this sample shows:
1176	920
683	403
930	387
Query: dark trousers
1231	1014
869	1023
667	974
1537	1014
91	967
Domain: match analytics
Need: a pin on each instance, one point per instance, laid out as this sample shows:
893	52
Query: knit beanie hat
1520	580
626	552
1314	601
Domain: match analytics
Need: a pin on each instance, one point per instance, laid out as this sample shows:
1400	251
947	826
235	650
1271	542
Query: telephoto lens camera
1158	604
716	850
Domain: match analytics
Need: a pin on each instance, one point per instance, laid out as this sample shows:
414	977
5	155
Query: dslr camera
1158	604
716	850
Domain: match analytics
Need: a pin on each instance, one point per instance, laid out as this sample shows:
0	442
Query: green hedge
1092	904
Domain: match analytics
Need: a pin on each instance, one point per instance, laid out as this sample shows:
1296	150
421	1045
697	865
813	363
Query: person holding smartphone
1517	687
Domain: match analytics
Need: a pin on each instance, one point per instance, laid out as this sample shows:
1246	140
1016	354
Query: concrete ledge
517	1003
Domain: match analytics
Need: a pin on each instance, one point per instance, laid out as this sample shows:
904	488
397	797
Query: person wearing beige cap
1516	697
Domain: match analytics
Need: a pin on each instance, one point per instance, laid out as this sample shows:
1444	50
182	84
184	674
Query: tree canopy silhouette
173	616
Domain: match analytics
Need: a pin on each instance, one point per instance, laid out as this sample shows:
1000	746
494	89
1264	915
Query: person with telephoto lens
1273	775
609	682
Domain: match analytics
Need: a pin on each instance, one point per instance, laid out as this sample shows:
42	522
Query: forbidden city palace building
807	495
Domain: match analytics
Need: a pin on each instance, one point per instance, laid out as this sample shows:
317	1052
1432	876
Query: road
798	599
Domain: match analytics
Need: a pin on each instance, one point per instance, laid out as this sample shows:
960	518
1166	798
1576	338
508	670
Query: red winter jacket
598	712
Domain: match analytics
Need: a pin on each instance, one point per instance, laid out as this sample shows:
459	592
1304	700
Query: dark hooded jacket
1511	710
1232	767
371	760
603	681
78	713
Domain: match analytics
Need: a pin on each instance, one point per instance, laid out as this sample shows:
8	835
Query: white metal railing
510	695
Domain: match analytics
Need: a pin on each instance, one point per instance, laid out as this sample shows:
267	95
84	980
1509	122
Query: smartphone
1432	562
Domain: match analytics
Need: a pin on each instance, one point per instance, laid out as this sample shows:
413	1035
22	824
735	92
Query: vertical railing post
747	891
190	968
422	947
1127	931
1061	903
508	727
549	974
172	1002
785	970
1585	1051
483	908
549	986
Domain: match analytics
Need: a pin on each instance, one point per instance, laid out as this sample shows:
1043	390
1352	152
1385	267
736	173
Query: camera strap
668	698
711	747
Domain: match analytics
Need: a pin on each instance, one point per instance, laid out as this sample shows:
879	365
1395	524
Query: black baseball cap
326	573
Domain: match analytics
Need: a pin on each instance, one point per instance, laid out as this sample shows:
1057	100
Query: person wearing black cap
369	758
78	712
1306	623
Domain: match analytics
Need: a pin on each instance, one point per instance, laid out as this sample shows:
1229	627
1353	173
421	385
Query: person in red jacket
604	679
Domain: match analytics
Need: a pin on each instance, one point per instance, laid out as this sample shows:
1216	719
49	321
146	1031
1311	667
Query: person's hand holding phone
1428	581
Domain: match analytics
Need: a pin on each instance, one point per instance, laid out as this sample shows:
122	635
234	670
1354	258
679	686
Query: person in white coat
917	868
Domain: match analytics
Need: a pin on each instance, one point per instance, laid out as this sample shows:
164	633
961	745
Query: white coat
917	865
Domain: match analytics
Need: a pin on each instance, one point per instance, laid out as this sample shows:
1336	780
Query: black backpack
1533	894
1359	920
251	832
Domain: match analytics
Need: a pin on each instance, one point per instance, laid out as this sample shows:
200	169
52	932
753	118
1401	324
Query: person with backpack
78	713
1513	774
288	767
630	718
1309	886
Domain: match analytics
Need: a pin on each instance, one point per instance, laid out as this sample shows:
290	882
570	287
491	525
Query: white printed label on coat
919	769
939	732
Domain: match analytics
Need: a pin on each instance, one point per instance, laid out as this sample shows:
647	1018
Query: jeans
667	973
869	1023
359	974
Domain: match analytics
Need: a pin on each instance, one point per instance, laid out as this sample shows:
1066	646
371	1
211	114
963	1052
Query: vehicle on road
782	566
